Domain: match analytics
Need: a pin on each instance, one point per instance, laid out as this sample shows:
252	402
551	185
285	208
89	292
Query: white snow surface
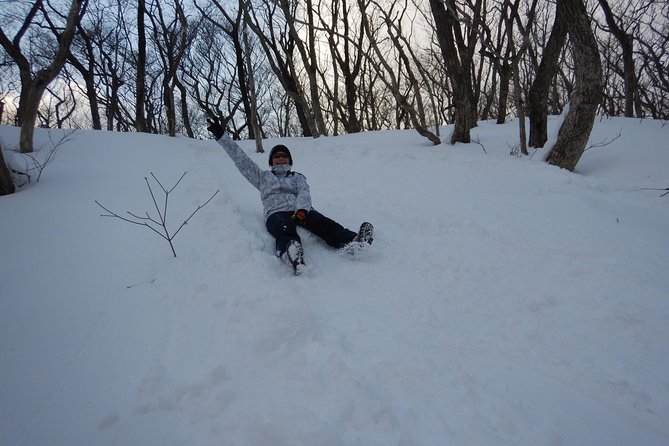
503	302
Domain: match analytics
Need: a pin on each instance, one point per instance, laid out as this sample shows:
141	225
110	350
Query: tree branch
161	221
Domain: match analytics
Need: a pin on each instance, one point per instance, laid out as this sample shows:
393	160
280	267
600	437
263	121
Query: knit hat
280	148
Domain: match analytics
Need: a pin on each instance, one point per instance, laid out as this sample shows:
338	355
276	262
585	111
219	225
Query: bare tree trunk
87	72
458	63
575	130
6	185
516	58
253	112
629	71
113	107
91	93
504	81
185	117
172	40
547	71
350	62
309	60
33	87
140	118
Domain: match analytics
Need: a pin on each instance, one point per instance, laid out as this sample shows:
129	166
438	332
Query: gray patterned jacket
280	188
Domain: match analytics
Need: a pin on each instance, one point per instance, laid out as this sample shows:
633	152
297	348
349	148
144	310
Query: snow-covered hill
504	301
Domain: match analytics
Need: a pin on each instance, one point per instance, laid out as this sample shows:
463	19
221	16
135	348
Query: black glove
300	217
215	128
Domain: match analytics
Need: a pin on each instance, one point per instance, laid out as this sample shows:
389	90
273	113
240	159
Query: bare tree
233	26
458	52
516	58
82	57
279	45
307	51
348	55
390	77
498	52
210	75
59	105
34	85
253	98
108	33
626	41
653	56
547	71
140	81
87	70
171	37
575	130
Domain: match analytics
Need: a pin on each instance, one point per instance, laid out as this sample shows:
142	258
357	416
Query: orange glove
300	217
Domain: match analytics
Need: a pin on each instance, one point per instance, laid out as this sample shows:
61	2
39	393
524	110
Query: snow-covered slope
504	301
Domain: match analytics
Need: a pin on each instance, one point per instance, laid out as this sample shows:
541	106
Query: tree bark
6	185
185	117
252	115
458	63
504	83
140	117
575	130
538	96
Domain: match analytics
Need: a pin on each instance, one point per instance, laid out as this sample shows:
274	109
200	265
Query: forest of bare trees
325	67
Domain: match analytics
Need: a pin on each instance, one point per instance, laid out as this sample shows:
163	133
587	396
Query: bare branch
604	142
161	221
652	188
35	161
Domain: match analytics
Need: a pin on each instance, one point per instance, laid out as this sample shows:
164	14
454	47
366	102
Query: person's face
280	158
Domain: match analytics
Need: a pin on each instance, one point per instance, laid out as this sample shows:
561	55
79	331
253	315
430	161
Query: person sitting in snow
287	203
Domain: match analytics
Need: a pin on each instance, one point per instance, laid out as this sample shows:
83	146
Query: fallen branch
37	161
653	188
478	141
604	142
157	225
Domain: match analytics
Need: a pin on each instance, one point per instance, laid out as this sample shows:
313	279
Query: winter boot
294	255
365	234
361	241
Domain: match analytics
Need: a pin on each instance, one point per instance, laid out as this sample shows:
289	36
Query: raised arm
245	165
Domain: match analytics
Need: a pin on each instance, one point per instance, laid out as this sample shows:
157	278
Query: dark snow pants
284	229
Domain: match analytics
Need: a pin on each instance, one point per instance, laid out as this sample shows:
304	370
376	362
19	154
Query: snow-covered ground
503	302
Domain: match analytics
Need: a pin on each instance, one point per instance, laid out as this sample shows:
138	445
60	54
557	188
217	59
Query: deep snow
504	301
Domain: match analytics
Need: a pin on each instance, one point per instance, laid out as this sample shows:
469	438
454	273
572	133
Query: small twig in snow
478	141
604	142
652	188
157	225
35	161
